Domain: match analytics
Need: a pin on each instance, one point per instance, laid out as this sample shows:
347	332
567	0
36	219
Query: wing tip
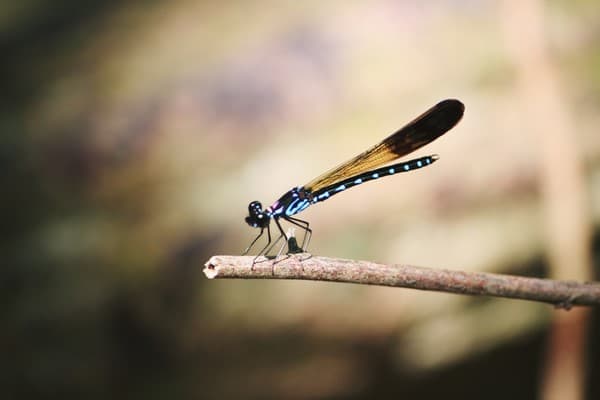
454	108
447	114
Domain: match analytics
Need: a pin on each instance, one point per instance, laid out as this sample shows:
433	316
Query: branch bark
562	294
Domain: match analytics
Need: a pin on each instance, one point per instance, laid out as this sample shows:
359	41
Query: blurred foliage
134	134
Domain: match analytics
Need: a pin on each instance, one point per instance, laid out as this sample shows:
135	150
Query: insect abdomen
339	187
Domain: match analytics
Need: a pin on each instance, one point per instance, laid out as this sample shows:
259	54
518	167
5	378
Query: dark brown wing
427	127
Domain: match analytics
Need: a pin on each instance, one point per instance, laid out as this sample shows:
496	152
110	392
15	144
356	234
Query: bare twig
563	294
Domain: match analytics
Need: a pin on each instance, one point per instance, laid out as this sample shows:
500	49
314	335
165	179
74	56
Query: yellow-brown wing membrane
430	125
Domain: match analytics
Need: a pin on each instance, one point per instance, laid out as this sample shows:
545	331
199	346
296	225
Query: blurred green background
134	135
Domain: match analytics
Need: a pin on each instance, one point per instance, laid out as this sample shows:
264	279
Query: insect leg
254	241
305	226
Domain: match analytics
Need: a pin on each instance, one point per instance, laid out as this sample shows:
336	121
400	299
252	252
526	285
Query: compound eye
255	207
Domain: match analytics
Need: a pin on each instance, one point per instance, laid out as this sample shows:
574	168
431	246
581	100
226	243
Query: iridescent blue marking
419	164
358	181
375	175
340	188
391	170
296	206
324	196
406	167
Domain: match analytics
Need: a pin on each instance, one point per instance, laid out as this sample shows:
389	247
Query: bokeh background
134	135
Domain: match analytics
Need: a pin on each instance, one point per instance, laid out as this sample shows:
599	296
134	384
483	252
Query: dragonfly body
424	129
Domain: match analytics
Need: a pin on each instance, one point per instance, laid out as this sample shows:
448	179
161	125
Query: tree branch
563	294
